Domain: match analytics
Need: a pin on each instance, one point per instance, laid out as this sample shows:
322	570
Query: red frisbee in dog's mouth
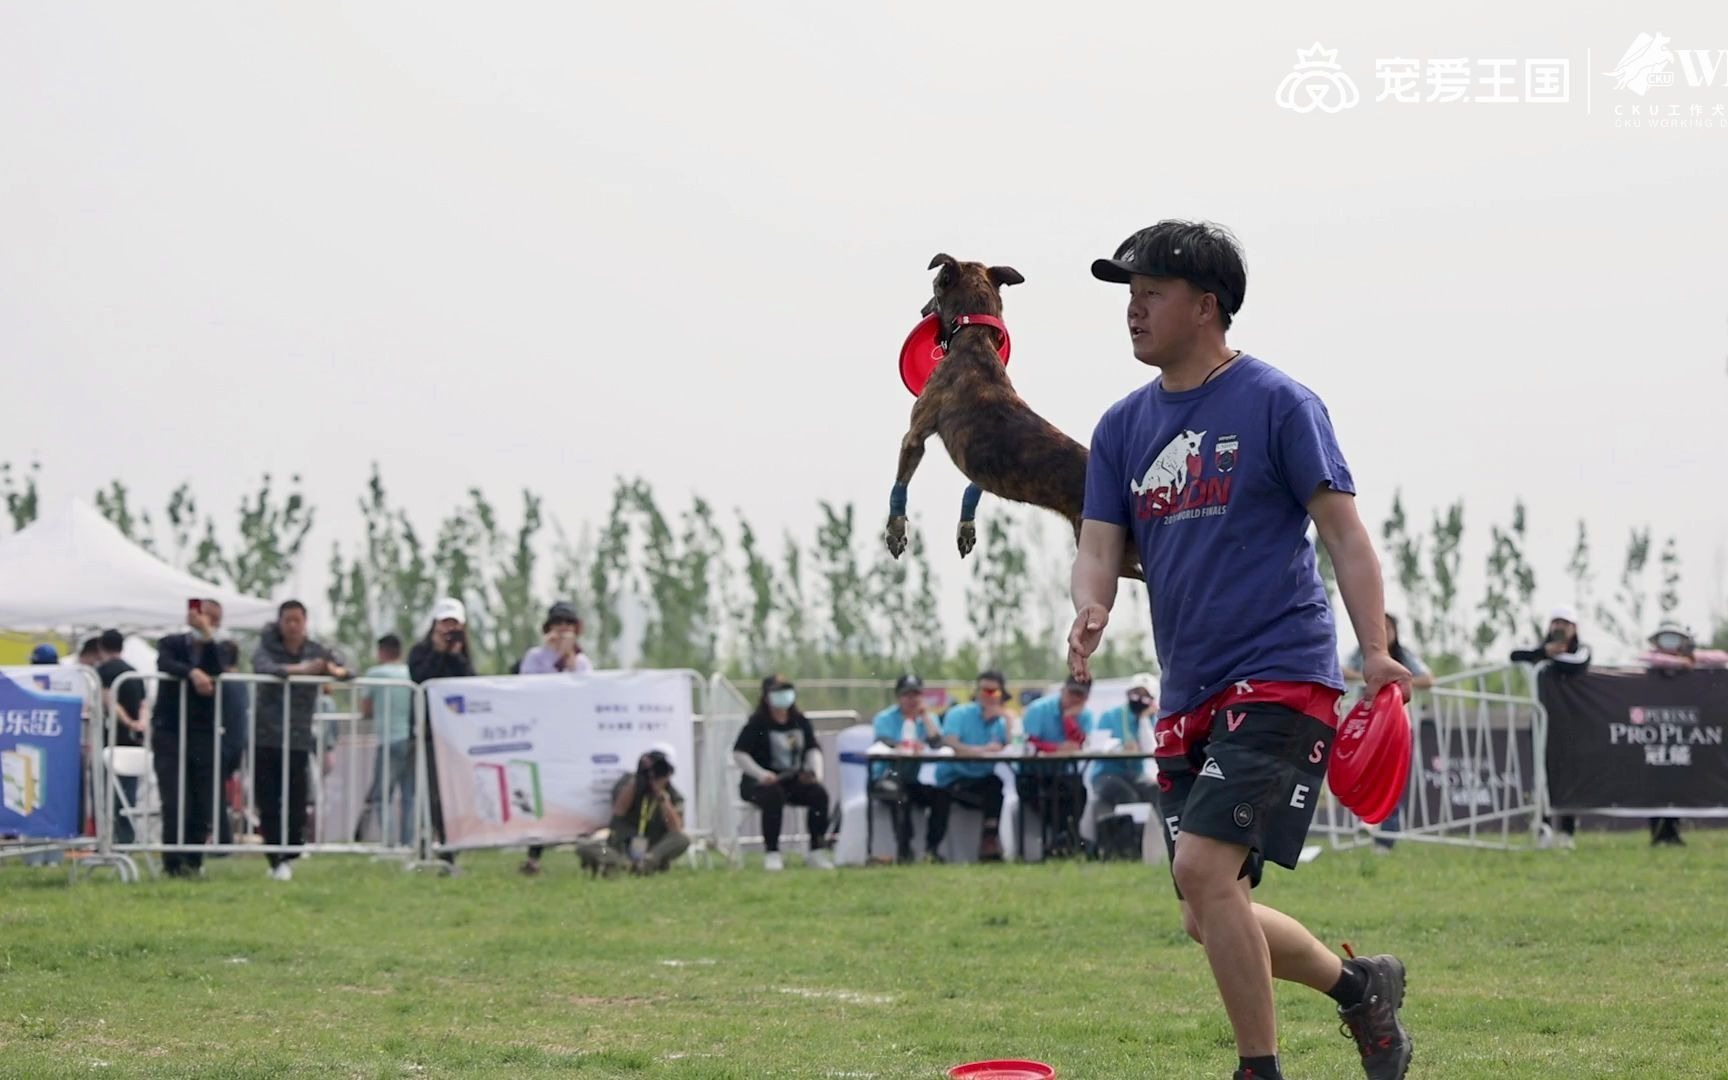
921	353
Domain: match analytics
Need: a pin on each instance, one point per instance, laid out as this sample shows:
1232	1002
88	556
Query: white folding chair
133	762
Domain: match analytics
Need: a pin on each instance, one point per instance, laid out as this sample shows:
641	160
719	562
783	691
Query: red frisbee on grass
1371	756
922	352
1002	1070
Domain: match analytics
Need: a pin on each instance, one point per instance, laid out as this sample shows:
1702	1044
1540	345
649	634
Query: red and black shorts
1247	767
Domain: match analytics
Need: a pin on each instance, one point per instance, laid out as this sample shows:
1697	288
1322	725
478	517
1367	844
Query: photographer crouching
647	831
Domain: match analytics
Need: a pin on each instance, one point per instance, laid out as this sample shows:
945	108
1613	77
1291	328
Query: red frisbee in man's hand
922	352
1371	754
1394	771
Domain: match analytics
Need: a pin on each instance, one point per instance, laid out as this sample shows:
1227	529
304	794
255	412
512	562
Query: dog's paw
896	537
967	538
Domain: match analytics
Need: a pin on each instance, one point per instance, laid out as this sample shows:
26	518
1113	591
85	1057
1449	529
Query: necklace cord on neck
1221	365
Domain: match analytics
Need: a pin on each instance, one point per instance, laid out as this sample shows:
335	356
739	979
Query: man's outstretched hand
1083	639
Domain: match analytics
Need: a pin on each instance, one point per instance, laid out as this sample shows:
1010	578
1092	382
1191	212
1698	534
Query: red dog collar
924	347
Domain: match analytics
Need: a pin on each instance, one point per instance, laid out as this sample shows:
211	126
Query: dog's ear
944	259
1005	275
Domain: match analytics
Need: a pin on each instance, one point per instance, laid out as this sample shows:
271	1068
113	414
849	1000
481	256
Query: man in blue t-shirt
1215	470
975	728
1054	724
909	724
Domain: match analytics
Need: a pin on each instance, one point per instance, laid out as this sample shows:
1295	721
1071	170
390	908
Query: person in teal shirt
976	728
1054	724
1117	782
896	783
391	709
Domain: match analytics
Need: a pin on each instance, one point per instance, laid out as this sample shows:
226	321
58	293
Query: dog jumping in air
995	439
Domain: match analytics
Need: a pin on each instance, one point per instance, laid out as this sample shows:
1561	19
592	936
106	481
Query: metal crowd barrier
344	729
1478	776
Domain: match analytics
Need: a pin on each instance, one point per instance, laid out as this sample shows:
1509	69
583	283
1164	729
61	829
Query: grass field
1608	961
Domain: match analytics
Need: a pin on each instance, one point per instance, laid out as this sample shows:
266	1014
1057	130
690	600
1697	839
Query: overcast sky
538	244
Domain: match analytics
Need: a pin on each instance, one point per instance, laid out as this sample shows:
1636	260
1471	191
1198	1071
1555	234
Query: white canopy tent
73	570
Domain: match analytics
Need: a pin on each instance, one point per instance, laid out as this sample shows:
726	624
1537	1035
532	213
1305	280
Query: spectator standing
782	764
1420	679
647	831
1560	650
561	652
1057	724
975	728
1672	650
391	710
191	662
127	705
909	724
442	654
1560	654
282	756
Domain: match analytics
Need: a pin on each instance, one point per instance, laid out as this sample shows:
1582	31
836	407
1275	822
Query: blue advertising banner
39	755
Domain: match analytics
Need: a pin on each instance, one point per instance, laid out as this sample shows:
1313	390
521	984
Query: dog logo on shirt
1175	487
1174	466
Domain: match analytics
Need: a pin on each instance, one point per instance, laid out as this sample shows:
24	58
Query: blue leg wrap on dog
969	502
897	501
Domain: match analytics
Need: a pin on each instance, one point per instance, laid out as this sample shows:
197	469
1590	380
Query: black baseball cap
909	684
776	682
562	611
1201	253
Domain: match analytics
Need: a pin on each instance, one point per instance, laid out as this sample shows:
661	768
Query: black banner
1463	780
1631	742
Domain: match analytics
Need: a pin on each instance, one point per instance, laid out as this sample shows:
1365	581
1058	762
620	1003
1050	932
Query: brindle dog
994	437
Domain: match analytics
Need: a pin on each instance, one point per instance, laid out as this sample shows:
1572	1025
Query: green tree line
694	586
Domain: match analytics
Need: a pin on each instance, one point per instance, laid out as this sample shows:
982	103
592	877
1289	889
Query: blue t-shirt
888	726
1043	720
1214	484
966	723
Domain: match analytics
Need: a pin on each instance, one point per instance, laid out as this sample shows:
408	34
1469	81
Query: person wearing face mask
192	665
441	654
782	765
1117	782
1672	651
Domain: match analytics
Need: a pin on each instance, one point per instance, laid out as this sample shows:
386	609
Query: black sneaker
1374	1024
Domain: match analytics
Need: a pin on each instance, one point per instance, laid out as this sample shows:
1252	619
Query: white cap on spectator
450	608
1565	613
665	748
1144	681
